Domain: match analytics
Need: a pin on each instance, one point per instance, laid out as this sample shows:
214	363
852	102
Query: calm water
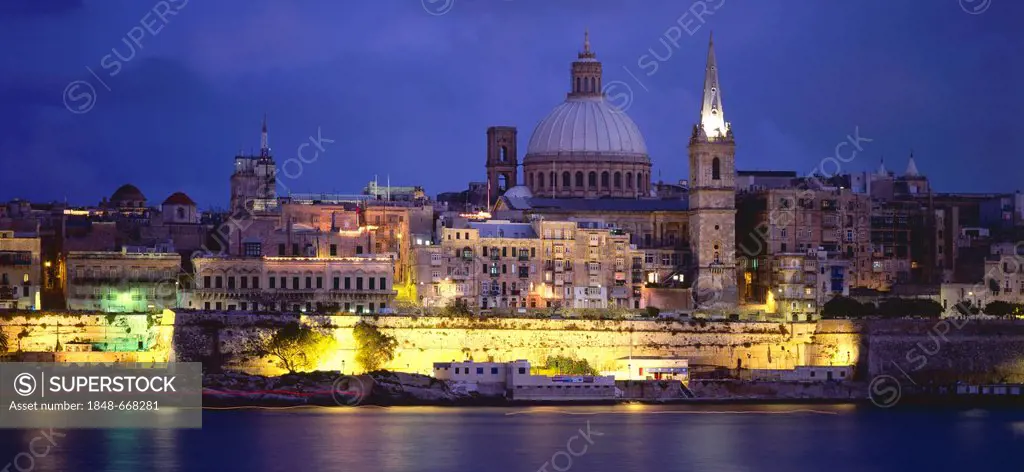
632	438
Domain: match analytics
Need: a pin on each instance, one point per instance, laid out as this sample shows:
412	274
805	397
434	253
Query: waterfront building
314	284
499	264
20	271
518	383
780	230
1004	273
652	368
132	280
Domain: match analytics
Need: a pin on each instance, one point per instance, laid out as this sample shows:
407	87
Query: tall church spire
264	146
911	166
712	117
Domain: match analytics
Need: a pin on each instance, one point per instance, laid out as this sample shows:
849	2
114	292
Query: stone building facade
133	280
20	271
292	284
543	264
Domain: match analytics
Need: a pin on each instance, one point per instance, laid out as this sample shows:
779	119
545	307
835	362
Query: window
494	370
604	179
383	283
522	370
579	179
479	370
540	180
592	180
295	249
566	180
206	281
244	281
629	180
280	249
373	283
218	282
359	283
255	282
359	249
295	283
617	180
253	249
334	250
319	282
231	282
272	280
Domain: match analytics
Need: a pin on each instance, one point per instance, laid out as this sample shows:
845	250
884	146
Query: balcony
524	256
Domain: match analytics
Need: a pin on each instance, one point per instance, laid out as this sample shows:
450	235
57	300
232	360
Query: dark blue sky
408	93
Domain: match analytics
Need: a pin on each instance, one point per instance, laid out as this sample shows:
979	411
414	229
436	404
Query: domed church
587	161
586	147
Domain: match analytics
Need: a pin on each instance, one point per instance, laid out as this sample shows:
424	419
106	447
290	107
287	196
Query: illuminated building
499	264
254	180
292	284
20	271
133	280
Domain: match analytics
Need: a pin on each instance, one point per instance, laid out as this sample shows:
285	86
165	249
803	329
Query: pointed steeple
911	166
587	53
264	146
712	116
882	172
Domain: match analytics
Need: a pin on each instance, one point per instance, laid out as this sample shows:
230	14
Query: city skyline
387	110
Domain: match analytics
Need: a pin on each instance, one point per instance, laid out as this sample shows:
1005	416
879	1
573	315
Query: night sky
407	90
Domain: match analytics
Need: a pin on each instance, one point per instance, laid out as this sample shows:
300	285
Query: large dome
586	126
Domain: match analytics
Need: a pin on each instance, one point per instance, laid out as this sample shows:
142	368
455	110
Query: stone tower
713	198
254	180
502	160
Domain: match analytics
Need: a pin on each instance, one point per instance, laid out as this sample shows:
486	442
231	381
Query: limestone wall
923	350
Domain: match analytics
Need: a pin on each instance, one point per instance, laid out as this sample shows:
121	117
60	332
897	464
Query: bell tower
713	198
502	160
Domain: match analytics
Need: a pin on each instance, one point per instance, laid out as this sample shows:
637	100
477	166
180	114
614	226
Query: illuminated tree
374	349
297	348
569	366
3	341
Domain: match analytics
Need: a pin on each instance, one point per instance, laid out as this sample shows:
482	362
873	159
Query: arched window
181	213
716	169
504	154
629	180
604	179
592	180
579	179
578	89
502	182
540	180
529	177
553	180
640	181
566	180
617	180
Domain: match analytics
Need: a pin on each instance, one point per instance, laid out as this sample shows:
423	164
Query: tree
904	307
843	307
3	341
297	348
1003	309
374	349
457	309
569	366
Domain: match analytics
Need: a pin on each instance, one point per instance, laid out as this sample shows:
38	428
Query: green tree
374	349
297	348
569	366
1002	309
457	309
843	307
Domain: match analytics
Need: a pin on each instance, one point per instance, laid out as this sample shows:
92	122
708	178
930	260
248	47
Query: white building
515	379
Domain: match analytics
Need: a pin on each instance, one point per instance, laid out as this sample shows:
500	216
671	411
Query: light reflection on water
628	437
